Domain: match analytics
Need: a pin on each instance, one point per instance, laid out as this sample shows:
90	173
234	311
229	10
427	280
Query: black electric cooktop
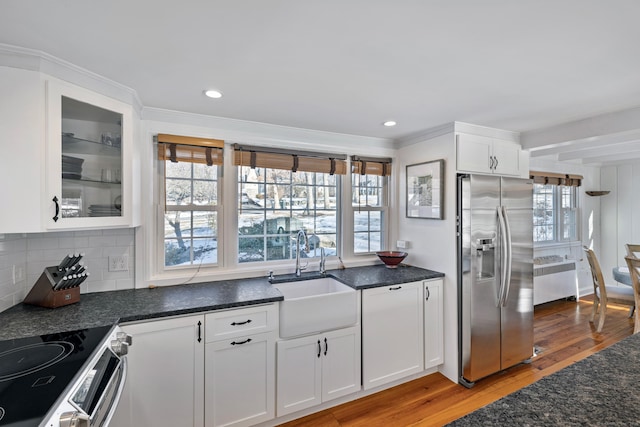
35	371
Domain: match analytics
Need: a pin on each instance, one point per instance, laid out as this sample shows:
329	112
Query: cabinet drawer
242	321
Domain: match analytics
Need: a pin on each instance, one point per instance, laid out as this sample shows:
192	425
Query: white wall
620	220
31	253
433	242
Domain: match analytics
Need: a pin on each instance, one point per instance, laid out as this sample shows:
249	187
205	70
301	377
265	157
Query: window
280	193
370	203
554	213
192	209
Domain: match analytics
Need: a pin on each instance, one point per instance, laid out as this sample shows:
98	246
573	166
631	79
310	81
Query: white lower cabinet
392	333
317	368
240	367
208	370
227	368
433	323
165	380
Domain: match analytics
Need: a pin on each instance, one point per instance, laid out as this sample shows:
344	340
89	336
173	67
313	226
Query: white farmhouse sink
316	305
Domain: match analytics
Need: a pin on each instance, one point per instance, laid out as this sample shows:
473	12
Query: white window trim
228	267
384	243
558	225
160	271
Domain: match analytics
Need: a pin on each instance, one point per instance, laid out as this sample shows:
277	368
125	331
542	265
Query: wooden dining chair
603	294
634	270
633	250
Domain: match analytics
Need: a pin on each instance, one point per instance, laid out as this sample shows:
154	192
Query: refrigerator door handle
506	264
505	276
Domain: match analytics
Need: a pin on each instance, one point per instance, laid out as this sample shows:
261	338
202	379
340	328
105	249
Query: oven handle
114	402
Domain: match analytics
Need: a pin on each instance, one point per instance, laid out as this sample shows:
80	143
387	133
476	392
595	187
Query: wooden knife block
42	293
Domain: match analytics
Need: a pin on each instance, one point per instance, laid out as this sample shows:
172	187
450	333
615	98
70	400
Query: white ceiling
346	66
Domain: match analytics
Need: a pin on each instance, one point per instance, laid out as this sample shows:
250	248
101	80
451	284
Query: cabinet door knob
248	340
495	164
428	293
241	323
326	346
319	348
396	288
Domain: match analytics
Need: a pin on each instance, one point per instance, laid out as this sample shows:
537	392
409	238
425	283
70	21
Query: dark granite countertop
108	308
379	275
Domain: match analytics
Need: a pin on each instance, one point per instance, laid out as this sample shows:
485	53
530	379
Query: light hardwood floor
562	333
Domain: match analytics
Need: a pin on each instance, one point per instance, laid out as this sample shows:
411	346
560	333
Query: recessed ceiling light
389	123
213	93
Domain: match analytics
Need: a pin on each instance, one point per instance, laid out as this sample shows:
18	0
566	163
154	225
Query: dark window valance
556	178
188	149
370	166
295	161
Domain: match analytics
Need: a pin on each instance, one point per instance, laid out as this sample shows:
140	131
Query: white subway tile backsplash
89	233
41	243
34	252
101	286
122	284
12	244
6	302
74	242
102	241
6	275
114	275
125	240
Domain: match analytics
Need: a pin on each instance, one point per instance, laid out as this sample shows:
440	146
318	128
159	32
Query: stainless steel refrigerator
495	274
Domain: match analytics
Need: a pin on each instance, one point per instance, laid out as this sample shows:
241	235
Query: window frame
383	209
558	224
291	232
228	266
163	208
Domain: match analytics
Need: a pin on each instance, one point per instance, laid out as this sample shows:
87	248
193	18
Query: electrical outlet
119	263
402	244
17	274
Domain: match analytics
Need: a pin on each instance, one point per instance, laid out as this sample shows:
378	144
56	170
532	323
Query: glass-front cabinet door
88	159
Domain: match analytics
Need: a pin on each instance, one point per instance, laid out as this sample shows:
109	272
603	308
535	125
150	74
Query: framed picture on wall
425	190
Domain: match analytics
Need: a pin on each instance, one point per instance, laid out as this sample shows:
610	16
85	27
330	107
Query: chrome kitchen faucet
301	234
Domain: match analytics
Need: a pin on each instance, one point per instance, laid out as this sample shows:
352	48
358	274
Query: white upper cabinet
89	139
22	142
482	154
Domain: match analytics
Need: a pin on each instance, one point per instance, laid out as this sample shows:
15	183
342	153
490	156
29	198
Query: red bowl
391	259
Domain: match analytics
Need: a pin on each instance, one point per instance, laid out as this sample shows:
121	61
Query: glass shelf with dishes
91	150
109	145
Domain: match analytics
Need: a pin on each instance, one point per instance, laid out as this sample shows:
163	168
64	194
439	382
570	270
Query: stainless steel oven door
97	396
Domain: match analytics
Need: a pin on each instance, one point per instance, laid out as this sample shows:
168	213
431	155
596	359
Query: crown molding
452	127
35	60
247	131
425	135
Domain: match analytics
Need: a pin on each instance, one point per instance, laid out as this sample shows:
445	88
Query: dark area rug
601	390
